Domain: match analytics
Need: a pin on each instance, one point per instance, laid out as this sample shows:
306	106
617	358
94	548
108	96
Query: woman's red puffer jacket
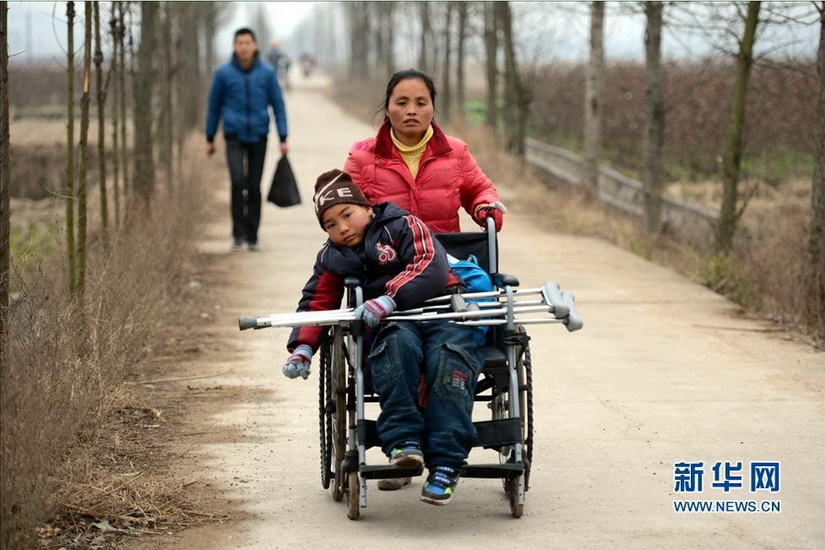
448	178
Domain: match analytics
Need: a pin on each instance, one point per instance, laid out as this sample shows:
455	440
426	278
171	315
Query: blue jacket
399	258
242	99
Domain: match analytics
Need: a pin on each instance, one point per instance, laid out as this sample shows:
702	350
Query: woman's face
410	110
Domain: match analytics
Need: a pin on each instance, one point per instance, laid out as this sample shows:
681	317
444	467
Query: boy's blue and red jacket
399	257
242	99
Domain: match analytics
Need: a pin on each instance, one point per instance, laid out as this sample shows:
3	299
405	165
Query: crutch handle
245	323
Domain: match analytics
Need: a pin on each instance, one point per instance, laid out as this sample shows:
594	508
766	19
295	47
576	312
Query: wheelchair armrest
351	282
504	279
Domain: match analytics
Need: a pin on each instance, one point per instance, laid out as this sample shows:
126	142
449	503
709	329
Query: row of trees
144	72
444	36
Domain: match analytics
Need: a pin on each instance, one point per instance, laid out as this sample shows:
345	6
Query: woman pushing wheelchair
400	265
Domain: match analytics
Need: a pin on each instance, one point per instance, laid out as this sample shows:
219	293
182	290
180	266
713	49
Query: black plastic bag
284	189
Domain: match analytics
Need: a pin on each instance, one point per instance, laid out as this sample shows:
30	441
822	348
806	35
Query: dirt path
664	371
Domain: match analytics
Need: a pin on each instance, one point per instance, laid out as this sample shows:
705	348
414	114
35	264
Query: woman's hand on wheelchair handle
495	210
372	311
299	362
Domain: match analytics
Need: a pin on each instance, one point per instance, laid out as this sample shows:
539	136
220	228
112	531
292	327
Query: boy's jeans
449	356
246	165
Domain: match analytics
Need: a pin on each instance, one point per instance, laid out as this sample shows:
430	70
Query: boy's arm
426	272
323	292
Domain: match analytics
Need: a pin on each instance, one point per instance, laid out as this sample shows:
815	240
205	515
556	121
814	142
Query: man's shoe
237	244
408	454
393	484
440	484
253	247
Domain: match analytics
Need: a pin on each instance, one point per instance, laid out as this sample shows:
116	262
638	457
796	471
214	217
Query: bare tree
116	31
101	128
426	37
5	178
593	99
82	183
460	84
359	24
653	146
815	305
491	57
144	171
166	133
69	189
516	103
447	67
124	144
734	141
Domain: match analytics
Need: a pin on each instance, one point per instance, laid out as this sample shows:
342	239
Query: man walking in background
242	92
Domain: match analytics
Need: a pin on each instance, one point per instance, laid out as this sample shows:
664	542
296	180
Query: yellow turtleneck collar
412	153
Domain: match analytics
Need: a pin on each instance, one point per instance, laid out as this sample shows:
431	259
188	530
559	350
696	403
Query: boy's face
346	224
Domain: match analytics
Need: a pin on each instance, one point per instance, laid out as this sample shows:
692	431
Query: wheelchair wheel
353	496
333	414
325	416
501	409
338	406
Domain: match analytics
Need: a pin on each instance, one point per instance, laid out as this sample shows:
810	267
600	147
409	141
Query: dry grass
66	366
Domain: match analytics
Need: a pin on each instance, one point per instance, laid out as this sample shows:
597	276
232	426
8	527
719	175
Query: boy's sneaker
237	244
408	454
440	484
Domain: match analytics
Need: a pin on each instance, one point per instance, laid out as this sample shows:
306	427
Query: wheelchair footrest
387	471
492	470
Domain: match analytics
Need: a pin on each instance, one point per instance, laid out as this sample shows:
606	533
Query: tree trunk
735	140
124	144
460	84
491	53
83	179
815	305
5	180
144	170
389	38
654	119
70	244
101	130
447	68
359	32
425	41
515	103
593	99
166	92
115	31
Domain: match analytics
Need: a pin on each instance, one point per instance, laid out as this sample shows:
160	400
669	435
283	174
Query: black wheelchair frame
505	384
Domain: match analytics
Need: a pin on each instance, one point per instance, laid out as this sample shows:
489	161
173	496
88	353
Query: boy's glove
298	363
372	311
496	210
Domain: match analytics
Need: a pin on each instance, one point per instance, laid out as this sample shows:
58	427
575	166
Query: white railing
691	222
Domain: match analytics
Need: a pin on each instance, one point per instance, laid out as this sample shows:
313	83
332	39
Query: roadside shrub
66	360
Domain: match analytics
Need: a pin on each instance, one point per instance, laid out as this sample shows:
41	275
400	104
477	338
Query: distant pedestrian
281	62
242	92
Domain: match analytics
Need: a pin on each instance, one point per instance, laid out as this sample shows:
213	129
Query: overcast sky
559	30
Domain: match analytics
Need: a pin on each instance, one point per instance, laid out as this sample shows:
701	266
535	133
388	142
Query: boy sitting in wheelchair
400	265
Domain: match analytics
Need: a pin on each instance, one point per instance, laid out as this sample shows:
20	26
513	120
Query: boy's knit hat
336	187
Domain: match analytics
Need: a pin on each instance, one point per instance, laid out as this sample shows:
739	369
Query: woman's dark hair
245	30
393	82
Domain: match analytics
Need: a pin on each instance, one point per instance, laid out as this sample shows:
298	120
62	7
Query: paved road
664	371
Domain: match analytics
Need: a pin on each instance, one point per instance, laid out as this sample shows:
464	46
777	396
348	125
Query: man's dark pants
246	165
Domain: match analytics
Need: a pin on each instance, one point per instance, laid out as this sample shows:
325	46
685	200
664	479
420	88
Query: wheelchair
504	384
